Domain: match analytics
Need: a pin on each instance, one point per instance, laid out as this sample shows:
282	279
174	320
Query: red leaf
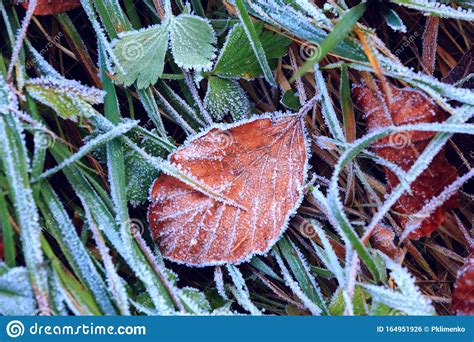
47	7
2	251
409	107
463	294
259	164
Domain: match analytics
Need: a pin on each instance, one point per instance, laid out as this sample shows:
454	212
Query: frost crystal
438	8
408	299
79	255
241	292
16	294
226	97
294	286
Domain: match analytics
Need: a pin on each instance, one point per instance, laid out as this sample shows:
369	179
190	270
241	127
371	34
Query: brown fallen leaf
260	164
383	239
409	107
47	7
463	294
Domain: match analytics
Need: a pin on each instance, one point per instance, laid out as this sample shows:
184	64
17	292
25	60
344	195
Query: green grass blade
300	269
340	31
7	230
255	42
62	228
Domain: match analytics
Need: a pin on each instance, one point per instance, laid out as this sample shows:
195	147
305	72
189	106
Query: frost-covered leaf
435	203
139	173
403	149
69	99
46	7
16	294
192	42
407	298
258	164
226	97
463	294
142	54
237	59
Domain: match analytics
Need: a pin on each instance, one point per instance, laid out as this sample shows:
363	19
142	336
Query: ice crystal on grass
407	299
329	257
101	36
92	144
219	281
195	301
443	10
288	17
116	284
59	302
329	114
64	230
15	164
300	268
300	25
240	291
16	294
295	287
427	83
393	20
42	64
98	209
315	12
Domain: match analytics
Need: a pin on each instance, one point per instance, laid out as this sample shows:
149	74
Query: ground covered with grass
310	157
